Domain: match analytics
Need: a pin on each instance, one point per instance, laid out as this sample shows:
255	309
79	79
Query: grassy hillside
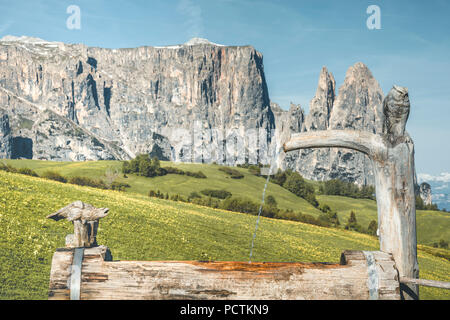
142	228
432	226
250	186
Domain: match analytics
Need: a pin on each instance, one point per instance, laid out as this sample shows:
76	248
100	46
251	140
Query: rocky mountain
195	102
437	187
182	102
425	193
357	106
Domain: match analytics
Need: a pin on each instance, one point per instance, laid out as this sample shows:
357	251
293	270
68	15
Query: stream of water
272	163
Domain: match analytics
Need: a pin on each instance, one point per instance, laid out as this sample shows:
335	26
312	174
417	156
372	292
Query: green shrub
53	175
252	168
234	174
198	174
352	223
347	189
372	228
300	217
238	204
85	181
144	165
280	177
177	197
194	195
271	201
269	211
297	185
28	172
173	170
157	194
207	202
219	194
330	219
7	168
119	186
443	244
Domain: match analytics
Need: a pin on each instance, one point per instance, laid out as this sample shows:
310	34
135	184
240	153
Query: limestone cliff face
180	101
196	102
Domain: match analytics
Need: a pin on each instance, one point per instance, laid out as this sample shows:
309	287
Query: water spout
272	163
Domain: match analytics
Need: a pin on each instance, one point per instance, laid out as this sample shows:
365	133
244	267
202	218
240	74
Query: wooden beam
426	283
198	280
365	142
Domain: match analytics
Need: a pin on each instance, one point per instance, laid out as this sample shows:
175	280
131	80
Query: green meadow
143	228
432	226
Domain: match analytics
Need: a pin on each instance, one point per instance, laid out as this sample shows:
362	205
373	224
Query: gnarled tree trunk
392	155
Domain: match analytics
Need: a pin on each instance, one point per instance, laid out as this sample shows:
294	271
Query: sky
297	38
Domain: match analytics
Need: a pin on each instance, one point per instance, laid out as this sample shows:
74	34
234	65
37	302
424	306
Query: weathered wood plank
218	280
426	283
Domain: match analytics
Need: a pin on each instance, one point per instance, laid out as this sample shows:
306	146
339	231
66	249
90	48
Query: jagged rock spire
322	103
359	104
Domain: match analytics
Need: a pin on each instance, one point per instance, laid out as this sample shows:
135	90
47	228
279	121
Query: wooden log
104	279
392	155
426	283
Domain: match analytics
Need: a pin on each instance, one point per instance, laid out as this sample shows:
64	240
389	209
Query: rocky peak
322	103
359	102
357	106
425	193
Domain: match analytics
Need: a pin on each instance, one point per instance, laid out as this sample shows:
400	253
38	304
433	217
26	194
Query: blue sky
297	38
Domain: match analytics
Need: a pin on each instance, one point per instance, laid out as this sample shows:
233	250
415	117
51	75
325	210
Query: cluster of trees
145	166
219	194
109	181
160	195
86	181
442	244
347	189
252	168
223	199
295	183
420	205
25	171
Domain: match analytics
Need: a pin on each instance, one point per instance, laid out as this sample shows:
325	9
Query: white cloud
194	21
443	177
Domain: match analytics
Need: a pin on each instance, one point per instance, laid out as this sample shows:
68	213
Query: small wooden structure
392	155
360	275
84	270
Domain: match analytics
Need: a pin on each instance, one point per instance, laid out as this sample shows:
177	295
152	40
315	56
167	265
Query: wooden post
392	155
360	275
85	223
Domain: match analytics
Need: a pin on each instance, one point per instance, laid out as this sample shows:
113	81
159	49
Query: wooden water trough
90	274
84	270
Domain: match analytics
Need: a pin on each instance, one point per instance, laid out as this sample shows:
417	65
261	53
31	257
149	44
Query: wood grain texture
426	283
392	155
168	280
